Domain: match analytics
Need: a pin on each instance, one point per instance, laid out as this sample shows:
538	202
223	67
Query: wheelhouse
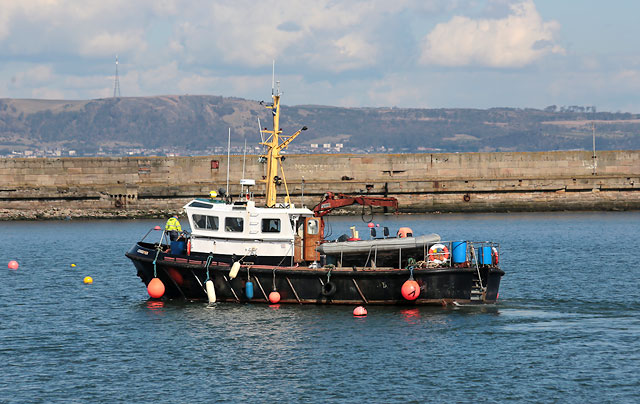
243	230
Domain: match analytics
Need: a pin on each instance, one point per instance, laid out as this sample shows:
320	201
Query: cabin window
312	226
234	224
271	225
206	222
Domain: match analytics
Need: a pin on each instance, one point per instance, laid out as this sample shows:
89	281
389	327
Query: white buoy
211	291
234	270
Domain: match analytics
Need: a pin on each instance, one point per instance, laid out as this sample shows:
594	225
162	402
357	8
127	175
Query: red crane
332	201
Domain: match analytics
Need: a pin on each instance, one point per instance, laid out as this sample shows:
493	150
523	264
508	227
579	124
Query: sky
370	53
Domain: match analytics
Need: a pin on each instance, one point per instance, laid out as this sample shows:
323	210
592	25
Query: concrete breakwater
439	182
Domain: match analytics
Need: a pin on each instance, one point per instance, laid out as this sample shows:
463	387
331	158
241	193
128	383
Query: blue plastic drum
177	247
484	256
459	253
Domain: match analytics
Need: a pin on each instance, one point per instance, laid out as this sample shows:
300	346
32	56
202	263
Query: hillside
193	124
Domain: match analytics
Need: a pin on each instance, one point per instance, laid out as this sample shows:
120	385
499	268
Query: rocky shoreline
105	214
69	214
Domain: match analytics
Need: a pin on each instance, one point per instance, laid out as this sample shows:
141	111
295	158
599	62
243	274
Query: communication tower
116	86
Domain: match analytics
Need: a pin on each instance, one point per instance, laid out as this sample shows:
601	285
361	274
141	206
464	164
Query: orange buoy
410	290
359	311
88	280
274	297
13	265
176	276
155	288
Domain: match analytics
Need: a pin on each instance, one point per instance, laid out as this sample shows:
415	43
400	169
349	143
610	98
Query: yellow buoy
88	280
73	265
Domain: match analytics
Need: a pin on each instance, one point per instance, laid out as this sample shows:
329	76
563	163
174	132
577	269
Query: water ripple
564	330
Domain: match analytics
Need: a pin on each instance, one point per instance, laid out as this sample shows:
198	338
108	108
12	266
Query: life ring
494	255
466	197
438	253
188	247
329	289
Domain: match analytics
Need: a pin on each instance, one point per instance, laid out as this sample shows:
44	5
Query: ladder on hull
478	291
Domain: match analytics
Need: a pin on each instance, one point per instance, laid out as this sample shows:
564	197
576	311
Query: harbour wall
438	182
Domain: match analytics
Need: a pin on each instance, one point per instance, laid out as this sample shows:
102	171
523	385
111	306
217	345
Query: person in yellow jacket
173	228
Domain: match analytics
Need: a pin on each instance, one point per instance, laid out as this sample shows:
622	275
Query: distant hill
193	124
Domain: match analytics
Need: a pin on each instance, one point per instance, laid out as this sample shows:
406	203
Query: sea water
566	328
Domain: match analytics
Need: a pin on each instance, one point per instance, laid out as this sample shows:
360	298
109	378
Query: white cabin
259	235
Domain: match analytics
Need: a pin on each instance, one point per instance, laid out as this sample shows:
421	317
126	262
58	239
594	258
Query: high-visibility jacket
173	224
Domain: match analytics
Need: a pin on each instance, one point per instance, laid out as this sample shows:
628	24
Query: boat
276	252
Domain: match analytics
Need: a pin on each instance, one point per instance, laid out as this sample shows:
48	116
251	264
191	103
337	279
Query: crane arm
284	144
332	201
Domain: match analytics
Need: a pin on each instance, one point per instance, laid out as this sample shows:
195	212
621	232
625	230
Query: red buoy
13	264
157	228
274	297
370	225
359	311
155	288
410	290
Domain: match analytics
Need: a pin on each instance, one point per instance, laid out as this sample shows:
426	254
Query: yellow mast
273	157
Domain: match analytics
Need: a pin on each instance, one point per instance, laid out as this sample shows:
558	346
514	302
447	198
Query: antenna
244	160
228	159
273	76
595	161
260	130
116	85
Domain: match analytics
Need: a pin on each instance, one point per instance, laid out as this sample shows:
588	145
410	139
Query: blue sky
405	53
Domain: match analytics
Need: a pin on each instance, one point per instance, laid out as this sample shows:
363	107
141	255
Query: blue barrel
459	252
177	247
484	256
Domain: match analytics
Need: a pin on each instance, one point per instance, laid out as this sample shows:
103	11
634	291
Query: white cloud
514	41
336	36
38	74
105	43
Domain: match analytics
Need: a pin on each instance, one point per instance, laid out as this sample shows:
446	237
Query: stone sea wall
439	182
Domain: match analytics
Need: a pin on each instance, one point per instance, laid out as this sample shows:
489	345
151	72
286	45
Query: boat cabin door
313	233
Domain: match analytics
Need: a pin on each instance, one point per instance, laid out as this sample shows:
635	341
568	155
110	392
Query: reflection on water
154	305
411	316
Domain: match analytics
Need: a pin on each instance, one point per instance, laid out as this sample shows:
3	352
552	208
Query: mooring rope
209	259
158	249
